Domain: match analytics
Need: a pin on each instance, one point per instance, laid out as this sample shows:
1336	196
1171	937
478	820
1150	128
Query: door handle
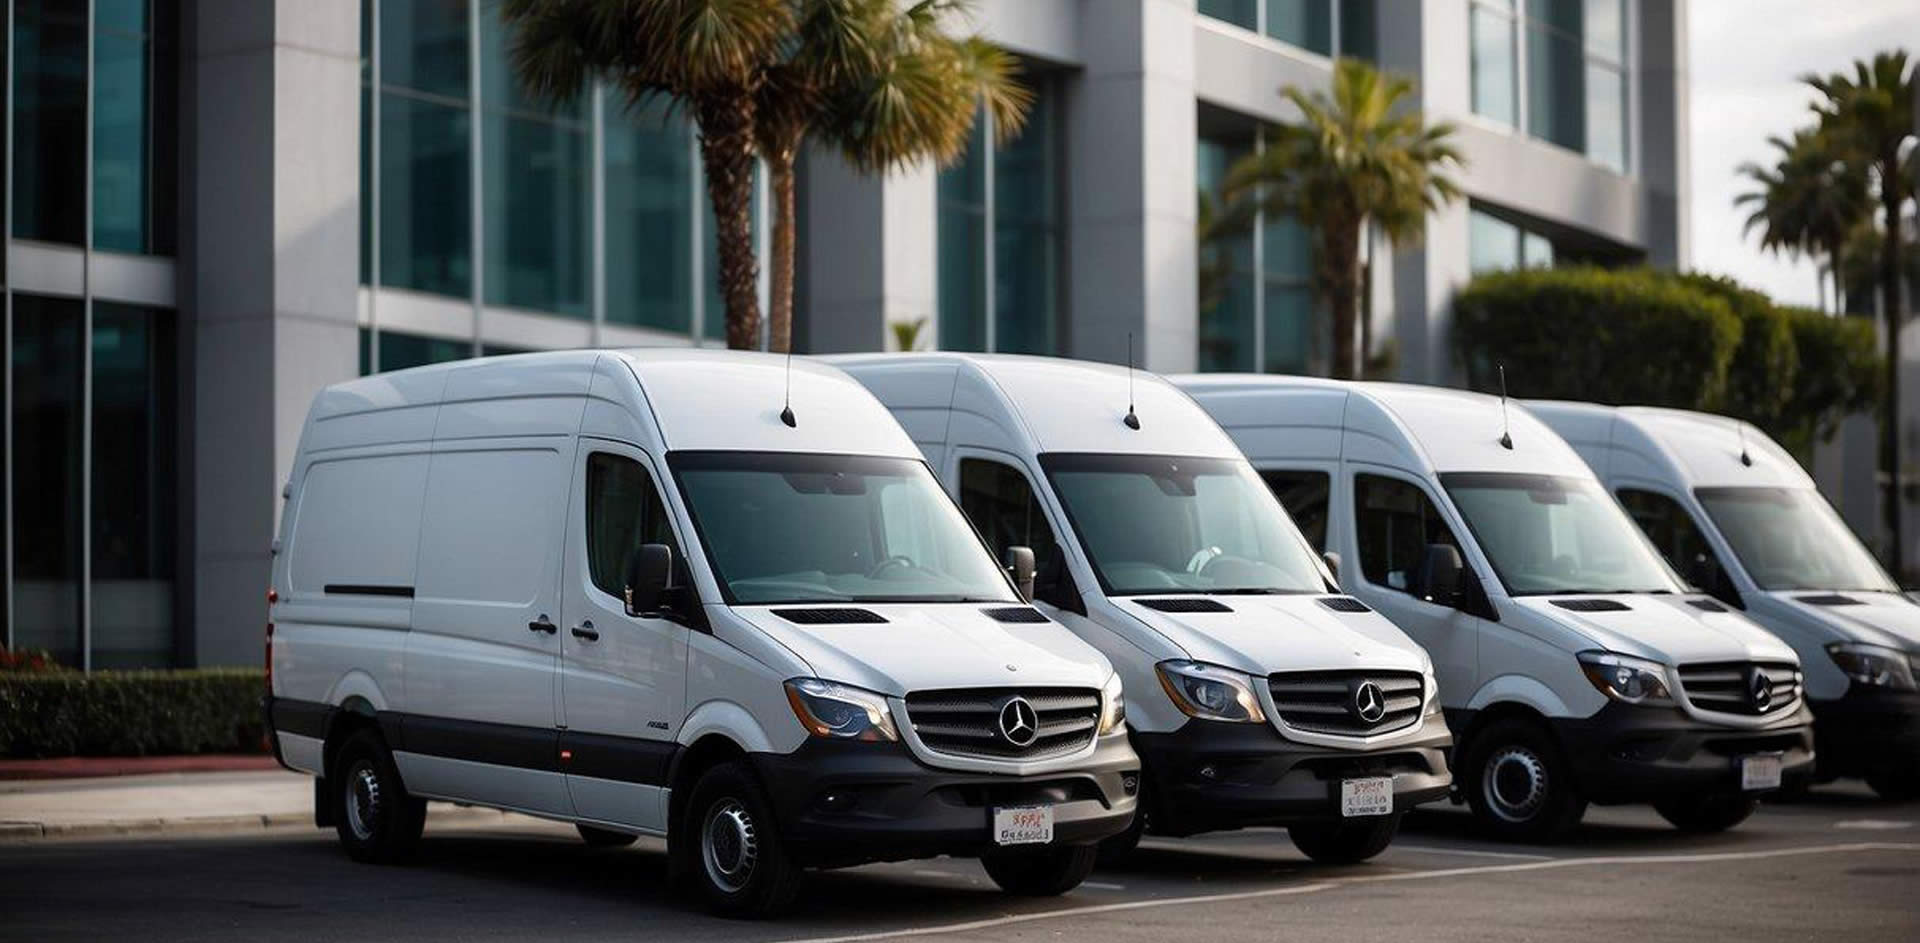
586	631
542	624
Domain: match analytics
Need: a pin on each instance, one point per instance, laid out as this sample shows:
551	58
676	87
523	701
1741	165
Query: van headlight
1627	679
1874	665
840	712
1113	706
1210	692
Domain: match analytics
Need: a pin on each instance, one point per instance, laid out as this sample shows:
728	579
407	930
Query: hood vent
1592	605
1706	605
1185	604
1344	604
830	616
1016	614
1828	599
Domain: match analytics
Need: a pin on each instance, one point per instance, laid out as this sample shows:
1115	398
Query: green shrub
1765	361
131	713
1841	373
1606	336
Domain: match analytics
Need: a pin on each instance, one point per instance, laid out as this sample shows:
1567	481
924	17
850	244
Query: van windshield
1789	538
1154	524
794	528
1557	535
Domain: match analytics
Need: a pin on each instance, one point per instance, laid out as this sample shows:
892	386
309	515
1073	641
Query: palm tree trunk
780	293
726	151
1339	249
1890	199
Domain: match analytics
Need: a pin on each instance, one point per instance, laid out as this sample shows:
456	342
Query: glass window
48	351
1004	509
1672	530
1151	524
122	141
424	46
133	487
1243	13
1790	538
1493	64
1556	84
1607	116
789	528
1027	231
1359	29
1227	281
1394	524
1547	534
1493	244
962	241
1605	33
624	511
49	119
1288	307
398	351
1304	23
426	231
1304	494
650	196
1536	251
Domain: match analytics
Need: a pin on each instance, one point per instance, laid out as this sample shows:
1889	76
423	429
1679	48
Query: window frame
1475	601
594	448
1326	523
1733	577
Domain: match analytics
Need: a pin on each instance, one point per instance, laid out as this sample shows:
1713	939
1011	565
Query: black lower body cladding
1869	732
841	803
1626	753
1210	775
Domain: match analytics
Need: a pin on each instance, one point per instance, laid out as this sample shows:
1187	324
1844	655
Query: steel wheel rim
729	845
363	801
1514	784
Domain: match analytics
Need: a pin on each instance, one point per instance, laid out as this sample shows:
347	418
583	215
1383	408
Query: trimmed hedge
132	713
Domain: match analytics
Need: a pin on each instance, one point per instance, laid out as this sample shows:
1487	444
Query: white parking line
1299	889
1469	852
1873	825
1103	886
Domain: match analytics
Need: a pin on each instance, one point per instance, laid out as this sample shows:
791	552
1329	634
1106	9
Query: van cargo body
622	589
1256	692
1737	516
1574	665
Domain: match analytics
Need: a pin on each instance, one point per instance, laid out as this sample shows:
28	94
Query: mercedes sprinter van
692	594
1574	665
1257	694
1736	515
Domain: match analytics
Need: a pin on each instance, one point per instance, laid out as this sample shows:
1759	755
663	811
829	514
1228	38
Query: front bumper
841	803
1868	731
1625	753
1210	775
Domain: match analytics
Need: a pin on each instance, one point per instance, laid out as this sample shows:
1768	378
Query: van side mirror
1439	577
1333	563
1019	563
649	576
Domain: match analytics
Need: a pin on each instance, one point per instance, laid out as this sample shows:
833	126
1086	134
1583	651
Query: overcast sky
1746	55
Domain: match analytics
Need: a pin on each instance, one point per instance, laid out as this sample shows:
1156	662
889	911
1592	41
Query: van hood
1888	619
1664	628
1264	634
930	646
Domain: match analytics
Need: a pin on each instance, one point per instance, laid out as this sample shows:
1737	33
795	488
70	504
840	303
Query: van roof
1693	449
1049	404
1428	428
701	399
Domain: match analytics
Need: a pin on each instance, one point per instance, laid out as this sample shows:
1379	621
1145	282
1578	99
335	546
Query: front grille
966	721
1328	702
1728	687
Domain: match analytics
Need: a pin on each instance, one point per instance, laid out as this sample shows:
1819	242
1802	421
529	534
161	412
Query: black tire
1895	785
378	823
1049	872
1519	784
1349	841
1706	813
1114	850
730	847
604	838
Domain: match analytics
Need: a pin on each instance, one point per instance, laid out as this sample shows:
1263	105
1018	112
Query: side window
1673	532
1304	495
624	511
1003	507
1394	522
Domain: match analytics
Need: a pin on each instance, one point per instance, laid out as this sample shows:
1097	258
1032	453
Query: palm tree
1357	157
1807	202
1869	116
884	85
708	56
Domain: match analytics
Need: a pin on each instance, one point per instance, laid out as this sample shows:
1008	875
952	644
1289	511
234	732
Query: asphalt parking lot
1839	865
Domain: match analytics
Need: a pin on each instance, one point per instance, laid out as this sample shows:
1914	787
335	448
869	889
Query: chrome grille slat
1322	701
965	723
1723	687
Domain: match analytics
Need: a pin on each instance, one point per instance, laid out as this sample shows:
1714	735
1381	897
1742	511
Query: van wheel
1345	842
1520	787
1047	873
732	849
1116	849
604	837
377	821
1708	812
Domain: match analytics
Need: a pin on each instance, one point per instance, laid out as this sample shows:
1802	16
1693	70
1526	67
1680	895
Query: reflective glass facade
1257	307
1312	25
1558	69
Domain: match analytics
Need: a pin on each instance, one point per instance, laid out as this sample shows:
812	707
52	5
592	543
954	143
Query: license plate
1023	825
1761	771
1370	796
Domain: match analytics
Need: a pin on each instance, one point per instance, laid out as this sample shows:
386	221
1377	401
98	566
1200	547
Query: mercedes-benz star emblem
1369	702
1018	722
1759	689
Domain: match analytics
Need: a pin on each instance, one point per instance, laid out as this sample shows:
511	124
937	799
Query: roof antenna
1506	430
1746	458
1132	421
786	407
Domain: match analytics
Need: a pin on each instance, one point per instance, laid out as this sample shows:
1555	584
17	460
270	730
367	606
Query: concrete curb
437	814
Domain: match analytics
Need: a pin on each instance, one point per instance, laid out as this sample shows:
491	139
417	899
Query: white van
1257	694
1736	515
637	591
1574	665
